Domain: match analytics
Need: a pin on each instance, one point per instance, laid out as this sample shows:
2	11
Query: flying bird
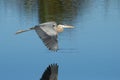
51	73
48	32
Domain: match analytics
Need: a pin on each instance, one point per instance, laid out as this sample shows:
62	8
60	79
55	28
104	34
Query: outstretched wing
51	73
48	35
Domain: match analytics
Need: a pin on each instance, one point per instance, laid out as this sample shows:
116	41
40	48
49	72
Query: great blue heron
48	32
51	73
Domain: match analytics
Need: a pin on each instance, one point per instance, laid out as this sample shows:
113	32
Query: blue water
90	51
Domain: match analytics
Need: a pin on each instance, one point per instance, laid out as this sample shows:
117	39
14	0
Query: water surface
88	52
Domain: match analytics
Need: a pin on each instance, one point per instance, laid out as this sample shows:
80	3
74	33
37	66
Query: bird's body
51	73
48	32
48	35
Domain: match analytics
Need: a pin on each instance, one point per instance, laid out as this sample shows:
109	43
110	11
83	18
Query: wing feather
51	73
48	36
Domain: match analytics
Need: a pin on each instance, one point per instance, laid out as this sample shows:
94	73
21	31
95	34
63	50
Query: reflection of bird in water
51	73
48	33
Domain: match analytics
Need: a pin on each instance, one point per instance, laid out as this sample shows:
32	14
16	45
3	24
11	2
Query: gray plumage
48	35
48	32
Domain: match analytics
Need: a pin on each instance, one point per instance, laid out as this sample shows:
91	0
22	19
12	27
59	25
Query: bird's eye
53	25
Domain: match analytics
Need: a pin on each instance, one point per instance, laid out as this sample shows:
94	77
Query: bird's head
60	27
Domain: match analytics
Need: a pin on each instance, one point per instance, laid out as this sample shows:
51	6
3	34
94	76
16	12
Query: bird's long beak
67	26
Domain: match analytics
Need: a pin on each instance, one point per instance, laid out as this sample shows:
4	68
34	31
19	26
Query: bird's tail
21	31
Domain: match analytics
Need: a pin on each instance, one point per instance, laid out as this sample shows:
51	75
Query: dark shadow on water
30	6
61	11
